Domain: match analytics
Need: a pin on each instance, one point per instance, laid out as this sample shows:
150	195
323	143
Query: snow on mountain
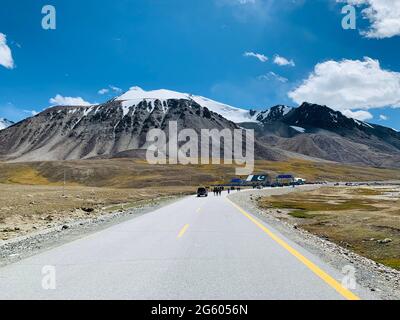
298	129
362	123
4	123
228	112
135	95
273	114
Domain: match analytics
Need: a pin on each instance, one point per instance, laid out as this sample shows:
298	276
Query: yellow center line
314	268
182	232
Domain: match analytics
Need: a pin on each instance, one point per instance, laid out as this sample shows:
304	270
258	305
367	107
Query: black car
202	192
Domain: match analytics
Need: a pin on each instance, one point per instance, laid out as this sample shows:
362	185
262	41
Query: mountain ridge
119	126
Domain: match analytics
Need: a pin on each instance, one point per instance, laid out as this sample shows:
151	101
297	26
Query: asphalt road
195	248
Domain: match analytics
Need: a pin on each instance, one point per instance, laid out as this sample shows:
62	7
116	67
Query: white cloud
282	61
115	89
31	112
107	90
259	56
383	117
6	59
59	100
273	76
350	85
359	114
384	16
103	91
246	1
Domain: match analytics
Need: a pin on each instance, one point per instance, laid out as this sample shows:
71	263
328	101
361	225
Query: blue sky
199	47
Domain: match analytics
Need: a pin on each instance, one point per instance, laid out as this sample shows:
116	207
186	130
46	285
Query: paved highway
195	248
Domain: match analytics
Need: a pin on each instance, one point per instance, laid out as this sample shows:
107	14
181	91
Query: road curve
196	248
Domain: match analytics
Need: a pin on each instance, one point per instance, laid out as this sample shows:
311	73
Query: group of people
218	191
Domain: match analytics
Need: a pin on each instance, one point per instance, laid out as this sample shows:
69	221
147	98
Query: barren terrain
137	173
363	219
32	194
24	208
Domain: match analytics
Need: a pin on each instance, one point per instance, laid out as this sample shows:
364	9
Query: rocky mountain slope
61	133
118	128
321	132
115	128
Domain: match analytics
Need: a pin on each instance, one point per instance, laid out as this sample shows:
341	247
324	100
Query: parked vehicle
285	180
300	181
202	192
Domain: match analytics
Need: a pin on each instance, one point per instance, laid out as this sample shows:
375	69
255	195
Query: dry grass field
363	219
136	173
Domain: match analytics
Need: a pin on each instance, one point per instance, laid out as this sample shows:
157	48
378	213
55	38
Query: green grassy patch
368	192
393	263
300	214
321	204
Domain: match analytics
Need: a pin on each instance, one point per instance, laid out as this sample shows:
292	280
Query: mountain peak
136	94
273	114
311	115
4	123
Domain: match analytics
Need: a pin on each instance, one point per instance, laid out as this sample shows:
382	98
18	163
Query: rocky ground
35	242
27	208
382	280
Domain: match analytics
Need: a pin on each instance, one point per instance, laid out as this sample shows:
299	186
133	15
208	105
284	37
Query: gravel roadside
25	246
384	282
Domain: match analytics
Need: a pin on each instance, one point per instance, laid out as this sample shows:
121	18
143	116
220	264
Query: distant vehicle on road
285	180
258	180
300	181
202	192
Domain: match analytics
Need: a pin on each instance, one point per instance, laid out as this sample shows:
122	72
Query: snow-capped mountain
4	123
321	132
316	116
136	95
120	126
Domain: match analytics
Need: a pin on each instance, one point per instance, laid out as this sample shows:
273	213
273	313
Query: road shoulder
381	281
29	245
